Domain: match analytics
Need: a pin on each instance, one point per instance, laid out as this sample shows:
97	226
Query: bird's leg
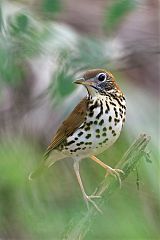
87	198
112	171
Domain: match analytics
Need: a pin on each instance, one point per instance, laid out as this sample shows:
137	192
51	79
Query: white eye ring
101	77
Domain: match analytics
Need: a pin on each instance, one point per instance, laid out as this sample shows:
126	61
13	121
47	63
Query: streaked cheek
106	86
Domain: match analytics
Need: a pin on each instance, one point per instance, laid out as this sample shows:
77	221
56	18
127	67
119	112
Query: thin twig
78	230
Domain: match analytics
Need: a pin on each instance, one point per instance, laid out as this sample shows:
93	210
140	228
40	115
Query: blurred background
44	45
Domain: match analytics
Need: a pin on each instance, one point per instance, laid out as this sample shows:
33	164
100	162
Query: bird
92	127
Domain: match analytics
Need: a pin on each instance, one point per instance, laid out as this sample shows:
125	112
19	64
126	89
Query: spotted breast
101	128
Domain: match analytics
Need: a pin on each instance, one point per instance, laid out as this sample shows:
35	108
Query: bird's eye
101	76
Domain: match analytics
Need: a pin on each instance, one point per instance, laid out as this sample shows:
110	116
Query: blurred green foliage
51	6
20	40
115	13
21	24
64	76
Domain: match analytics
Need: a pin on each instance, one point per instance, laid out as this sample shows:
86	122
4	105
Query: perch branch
78	230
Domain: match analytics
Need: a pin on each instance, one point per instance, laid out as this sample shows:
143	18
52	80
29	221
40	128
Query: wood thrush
92	127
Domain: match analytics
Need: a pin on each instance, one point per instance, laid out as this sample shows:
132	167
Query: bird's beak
84	82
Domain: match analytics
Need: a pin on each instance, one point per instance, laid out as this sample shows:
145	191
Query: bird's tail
47	162
38	172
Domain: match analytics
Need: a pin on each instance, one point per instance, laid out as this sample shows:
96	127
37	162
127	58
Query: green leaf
51	6
22	22
11	70
117	11
19	25
64	83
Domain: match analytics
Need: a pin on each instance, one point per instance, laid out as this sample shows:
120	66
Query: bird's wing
69	126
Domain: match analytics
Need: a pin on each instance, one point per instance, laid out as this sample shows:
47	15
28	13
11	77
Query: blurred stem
78	230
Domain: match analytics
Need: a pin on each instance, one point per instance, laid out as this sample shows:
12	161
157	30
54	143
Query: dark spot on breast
78	144
87	128
116	120
95	122
101	122
71	142
88	143
113	132
89	123
76	149
104	129
105	140
91	114
95	105
97	136
88	135
112	103
116	113
110	127
104	134
101	110
80	134
82	126
107	106
97	130
110	119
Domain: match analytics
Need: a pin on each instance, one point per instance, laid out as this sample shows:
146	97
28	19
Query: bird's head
99	81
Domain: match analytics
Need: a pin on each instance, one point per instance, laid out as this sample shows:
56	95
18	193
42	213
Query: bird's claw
94	196
89	199
115	172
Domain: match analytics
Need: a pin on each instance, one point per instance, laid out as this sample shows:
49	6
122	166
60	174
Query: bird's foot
114	172
89	199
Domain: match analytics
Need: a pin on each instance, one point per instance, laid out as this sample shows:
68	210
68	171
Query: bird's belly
95	136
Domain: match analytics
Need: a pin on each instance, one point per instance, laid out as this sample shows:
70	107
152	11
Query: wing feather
69	126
